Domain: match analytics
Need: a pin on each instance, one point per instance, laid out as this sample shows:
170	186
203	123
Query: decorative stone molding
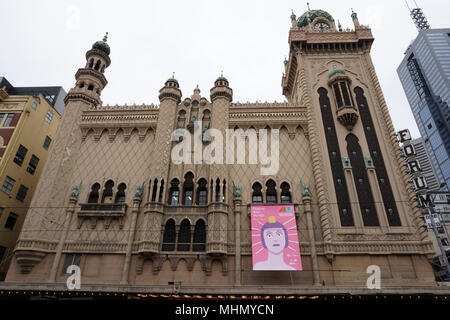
106	212
28	259
347	116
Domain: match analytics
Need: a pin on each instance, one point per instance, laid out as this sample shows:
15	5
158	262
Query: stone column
134	214
69	212
237	234
312	241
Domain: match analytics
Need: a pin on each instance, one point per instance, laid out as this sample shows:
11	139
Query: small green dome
335	70
310	15
102	45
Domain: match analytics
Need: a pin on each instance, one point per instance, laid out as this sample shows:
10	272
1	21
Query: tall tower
425	76
54	188
360	176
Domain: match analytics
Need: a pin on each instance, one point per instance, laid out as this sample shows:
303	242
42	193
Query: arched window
94	195
97	65
257	194
285	193
107	196
91	87
217	190
181	119
199	236
271	193
155	190
343	94
202	193
120	195
169	236
206	120
161	191
184	237
81	85
174	192
188	189
224	190
91	63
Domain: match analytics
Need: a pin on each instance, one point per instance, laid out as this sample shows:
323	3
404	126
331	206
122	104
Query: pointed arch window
217	190
257	194
285	193
199	236
224	190
206	120
271	193
120	195
97	65
107	196
181	119
188	189
161	191
202	193
184	237
155	189
94	194
174	192
169	236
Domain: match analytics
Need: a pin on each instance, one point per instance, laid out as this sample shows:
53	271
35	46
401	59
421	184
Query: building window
271	193
155	186
49	116
181	119
257	194
21	193
2	116
120	195
8	184
8	120
47	142
94	194
34	105
285	193
217	190
184	237
108	192
199	236
169	236
188	189
20	155
11	221
71	259
202	192
32	165
174	192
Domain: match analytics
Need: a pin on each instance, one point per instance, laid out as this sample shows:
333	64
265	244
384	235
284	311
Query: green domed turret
310	15
102	45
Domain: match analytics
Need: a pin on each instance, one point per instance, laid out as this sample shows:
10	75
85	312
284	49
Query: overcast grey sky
44	42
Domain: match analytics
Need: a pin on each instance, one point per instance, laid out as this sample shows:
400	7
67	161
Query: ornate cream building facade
111	200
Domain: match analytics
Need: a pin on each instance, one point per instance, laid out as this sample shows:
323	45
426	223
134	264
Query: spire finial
221	73
173	74
308	6
105	38
354	15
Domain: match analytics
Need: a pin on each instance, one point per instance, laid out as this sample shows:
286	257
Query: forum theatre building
336	199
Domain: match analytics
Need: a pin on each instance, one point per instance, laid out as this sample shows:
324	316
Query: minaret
355	19
54	188
221	96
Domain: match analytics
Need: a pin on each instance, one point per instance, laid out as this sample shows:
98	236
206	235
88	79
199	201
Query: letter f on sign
374	280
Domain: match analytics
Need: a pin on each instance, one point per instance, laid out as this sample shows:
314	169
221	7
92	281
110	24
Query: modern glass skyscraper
425	73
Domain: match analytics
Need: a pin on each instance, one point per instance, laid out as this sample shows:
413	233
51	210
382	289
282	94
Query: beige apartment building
112	200
29	117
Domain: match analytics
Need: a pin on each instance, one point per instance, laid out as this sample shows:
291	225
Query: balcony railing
102	209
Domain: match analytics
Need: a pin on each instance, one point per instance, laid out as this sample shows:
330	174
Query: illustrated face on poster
274	238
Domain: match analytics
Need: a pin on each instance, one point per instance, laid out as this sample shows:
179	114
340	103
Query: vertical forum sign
275	243
415	170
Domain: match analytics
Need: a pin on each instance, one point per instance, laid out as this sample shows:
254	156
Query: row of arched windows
190	192
206	118
271	193
98	65
186	240
96	195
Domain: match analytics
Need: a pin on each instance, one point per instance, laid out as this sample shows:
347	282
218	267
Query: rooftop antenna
418	17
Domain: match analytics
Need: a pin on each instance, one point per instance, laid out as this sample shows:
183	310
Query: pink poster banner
274	238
